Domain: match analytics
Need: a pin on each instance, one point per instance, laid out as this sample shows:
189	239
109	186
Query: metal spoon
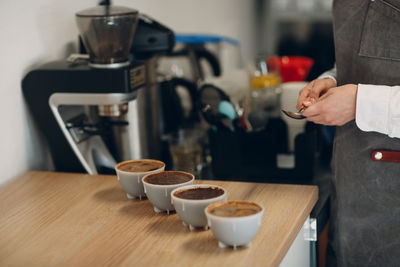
295	115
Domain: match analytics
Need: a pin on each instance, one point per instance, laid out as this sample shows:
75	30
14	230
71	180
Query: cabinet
302	252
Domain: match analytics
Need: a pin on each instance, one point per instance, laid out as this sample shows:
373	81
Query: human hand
336	107
311	93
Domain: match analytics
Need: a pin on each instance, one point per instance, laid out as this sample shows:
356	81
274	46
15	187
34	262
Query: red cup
291	68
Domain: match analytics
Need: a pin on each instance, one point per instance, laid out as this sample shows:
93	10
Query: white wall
33	32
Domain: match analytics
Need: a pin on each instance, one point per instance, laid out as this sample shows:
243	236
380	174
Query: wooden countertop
64	219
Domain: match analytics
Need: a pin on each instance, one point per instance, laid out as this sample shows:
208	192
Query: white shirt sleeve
329	74
378	109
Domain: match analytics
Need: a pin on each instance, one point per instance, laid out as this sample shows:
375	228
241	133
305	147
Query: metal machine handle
75	58
310	229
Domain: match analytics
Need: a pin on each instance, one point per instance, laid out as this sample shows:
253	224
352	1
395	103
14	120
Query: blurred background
248	38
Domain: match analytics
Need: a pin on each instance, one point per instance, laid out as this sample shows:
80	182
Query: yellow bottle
267	80
265	93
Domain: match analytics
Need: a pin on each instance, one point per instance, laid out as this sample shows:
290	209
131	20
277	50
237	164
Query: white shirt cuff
323	76
329	74
378	109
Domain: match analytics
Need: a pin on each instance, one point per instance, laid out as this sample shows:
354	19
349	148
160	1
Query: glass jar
265	93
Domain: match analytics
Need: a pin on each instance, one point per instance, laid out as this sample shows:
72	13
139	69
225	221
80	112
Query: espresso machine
99	108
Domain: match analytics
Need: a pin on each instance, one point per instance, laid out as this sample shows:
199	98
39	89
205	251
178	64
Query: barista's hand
336	107
312	92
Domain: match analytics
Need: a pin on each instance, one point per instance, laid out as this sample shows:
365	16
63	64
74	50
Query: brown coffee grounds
199	193
168	178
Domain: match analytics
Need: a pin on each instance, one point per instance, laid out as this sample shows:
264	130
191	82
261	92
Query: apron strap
385	155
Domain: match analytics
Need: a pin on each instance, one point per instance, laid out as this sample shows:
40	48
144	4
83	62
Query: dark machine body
67	101
64	77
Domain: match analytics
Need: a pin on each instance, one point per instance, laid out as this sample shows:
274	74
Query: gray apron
365	201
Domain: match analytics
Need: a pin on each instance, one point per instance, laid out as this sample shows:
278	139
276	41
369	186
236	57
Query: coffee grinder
96	110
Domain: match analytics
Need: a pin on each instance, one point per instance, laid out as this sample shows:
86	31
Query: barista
361	96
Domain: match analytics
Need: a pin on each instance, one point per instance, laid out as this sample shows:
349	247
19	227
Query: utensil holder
252	156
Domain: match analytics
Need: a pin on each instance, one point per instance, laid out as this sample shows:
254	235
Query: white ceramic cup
160	194
131	182
191	211
290	94
234	231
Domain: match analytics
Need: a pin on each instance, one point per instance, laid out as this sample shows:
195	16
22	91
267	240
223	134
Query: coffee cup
234	223
191	200
158	187
131	172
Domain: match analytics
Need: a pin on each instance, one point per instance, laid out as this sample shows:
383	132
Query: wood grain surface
64	219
